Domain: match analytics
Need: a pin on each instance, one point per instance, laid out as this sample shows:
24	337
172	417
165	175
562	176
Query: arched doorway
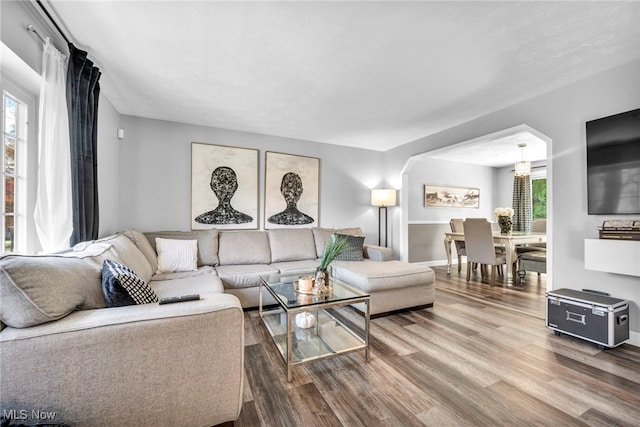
485	162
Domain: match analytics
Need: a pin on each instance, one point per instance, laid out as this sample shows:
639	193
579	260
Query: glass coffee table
330	333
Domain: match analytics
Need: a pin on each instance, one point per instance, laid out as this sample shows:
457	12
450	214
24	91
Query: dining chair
457	226
479	247
539	225
535	261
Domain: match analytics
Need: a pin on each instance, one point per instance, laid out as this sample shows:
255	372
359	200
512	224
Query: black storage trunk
597	318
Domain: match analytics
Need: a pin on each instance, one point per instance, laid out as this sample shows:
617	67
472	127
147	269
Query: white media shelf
612	256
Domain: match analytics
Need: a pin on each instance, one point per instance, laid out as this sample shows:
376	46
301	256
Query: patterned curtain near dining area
83	91
522	204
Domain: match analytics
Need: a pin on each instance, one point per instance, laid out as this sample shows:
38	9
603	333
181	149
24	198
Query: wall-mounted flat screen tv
613	164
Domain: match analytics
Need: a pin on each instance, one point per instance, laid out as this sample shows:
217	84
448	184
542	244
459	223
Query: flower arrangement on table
504	215
498	212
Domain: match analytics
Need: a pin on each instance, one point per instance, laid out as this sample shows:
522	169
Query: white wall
14	18
439	172
504	187
561	115
155	180
426	224
108	167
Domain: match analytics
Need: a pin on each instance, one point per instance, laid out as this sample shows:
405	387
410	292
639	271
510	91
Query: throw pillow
354	251
353	231
176	255
41	288
121	286
207	243
141	241
321	237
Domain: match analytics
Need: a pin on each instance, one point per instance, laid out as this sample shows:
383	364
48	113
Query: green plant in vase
334	247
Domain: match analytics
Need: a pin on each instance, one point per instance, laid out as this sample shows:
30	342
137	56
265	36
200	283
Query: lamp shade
383	197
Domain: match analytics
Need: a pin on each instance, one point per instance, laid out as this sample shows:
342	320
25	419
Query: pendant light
523	167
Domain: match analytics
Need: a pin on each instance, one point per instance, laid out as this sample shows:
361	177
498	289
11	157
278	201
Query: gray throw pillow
354	250
40	289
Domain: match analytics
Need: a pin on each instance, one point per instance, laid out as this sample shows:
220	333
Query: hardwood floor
480	356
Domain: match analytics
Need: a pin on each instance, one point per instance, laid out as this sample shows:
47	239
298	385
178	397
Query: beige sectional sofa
63	351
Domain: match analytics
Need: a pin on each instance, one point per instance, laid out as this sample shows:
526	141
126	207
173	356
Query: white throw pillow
176	255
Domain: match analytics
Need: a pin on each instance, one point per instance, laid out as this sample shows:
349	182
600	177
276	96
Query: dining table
507	240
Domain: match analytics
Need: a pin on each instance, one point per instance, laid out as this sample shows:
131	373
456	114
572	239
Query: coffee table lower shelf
328	337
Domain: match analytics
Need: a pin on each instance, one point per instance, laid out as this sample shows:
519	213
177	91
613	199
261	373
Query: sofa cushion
371	276
131	256
352	231
297	267
243	275
377	253
40	289
121	286
202	281
176	255
117	247
141	241
353	251
244	247
207	243
291	244
322	235
184	274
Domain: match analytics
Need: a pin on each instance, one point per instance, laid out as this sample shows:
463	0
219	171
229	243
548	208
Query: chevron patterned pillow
121	286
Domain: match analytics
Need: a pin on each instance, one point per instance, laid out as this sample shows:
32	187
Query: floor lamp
383	198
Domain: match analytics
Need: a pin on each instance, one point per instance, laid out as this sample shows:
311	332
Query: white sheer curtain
53	215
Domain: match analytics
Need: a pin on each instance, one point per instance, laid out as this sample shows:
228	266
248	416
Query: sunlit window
539	197
11	110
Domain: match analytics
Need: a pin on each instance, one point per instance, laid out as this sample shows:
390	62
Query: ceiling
364	74
498	150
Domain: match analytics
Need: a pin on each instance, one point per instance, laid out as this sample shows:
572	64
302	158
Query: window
539	197
13	111
19	88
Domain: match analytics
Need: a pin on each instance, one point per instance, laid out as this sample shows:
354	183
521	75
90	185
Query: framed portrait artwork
291	190
439	196
224	187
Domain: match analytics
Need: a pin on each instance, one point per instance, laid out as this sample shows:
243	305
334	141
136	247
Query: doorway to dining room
484	164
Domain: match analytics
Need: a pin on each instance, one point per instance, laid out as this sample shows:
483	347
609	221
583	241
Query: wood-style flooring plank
480	356
527	410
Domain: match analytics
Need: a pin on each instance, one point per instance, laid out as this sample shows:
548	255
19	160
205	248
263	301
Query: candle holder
305	284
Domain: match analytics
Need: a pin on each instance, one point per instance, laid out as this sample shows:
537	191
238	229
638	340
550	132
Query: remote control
171	300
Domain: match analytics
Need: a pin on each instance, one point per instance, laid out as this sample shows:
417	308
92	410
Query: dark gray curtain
83	91
522	204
